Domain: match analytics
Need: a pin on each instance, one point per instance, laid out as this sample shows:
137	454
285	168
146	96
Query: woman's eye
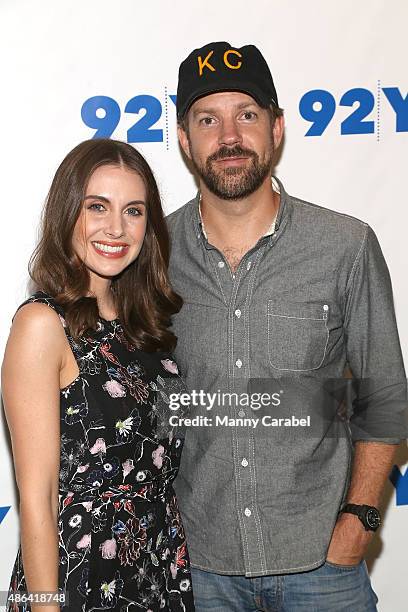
96	206
133	212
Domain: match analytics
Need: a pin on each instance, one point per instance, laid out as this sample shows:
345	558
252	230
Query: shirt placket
238	290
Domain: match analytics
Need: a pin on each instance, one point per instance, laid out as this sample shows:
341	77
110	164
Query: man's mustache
229	152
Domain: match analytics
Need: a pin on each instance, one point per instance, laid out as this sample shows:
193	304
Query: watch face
373	518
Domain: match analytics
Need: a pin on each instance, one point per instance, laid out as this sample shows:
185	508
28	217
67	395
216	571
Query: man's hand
349	541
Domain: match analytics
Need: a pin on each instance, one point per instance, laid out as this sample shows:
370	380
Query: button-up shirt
307	301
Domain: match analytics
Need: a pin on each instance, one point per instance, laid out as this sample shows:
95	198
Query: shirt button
221	264
241	413
238	313
238	363
244	462
247	512
249	264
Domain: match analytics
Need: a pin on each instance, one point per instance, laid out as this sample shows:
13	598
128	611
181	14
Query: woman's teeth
108	249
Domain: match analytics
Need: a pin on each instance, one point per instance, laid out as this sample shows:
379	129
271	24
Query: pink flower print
157	456
82	468
173	569
84	542
114	388
127	467
170	366
87	505
108	549
98	447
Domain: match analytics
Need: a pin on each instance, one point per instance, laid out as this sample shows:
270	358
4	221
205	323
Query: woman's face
111	227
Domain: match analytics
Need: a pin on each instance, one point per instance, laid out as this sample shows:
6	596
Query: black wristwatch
368	515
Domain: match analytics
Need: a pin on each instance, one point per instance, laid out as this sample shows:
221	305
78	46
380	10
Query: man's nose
230	133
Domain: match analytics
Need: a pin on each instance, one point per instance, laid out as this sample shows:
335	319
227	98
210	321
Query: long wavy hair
143	297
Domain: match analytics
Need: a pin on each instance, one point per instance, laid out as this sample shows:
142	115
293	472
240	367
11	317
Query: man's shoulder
180	215
317	218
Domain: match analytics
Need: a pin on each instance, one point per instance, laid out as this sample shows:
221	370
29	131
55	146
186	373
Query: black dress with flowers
121	541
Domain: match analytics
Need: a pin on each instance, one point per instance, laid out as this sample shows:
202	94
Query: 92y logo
318	107
103	114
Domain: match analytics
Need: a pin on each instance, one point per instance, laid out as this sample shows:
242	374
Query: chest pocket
297	335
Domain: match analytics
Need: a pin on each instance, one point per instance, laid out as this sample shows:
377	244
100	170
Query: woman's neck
101	289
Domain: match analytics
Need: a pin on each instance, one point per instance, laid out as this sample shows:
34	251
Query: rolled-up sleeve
373	349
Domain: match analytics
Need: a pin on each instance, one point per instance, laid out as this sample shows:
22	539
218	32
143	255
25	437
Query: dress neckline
108	320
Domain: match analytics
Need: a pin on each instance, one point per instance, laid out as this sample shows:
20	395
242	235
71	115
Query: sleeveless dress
122	544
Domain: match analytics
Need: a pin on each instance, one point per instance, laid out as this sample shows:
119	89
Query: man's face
230	140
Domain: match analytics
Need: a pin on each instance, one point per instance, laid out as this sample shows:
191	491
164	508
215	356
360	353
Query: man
279	295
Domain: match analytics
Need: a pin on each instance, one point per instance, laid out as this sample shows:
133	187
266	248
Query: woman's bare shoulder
36	327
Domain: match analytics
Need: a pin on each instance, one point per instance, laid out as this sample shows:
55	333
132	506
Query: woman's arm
31	369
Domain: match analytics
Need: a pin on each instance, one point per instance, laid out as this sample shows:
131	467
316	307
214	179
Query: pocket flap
298	310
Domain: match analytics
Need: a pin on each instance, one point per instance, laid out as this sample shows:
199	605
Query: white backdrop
57	55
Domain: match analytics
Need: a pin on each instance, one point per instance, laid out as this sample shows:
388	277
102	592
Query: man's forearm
371	466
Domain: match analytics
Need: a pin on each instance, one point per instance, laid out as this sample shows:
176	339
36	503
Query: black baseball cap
220	67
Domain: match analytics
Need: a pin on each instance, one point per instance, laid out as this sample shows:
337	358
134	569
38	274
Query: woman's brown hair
143	297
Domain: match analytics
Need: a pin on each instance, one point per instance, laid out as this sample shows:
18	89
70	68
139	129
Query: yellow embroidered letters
205	63
226	61
202	63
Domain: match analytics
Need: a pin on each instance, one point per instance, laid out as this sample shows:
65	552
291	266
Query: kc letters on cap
220	67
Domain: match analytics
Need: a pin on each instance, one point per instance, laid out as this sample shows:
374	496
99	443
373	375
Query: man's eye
96	206
133	212
248	115
207	121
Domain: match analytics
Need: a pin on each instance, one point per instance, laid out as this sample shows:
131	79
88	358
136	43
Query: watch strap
361	510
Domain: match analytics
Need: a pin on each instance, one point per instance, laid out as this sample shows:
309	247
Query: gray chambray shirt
305	302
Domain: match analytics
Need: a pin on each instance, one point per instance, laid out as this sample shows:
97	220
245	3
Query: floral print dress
121	540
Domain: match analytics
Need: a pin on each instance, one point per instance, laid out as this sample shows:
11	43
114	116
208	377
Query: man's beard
234	183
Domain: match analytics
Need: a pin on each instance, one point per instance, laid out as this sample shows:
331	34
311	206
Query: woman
86	378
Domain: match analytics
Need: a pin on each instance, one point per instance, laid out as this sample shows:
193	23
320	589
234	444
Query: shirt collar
276	186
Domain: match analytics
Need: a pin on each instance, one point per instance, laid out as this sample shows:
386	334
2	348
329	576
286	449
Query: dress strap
41	297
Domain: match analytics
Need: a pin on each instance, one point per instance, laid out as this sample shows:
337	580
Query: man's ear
183	140
278	129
